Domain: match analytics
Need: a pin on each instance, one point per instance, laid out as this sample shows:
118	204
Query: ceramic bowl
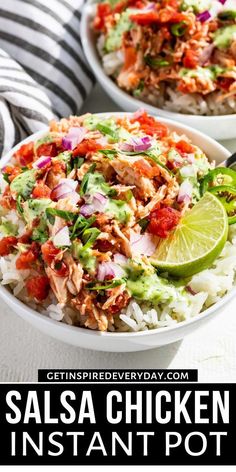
218	127
122	342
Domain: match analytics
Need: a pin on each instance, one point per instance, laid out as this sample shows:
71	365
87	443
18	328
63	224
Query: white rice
171	99
209	285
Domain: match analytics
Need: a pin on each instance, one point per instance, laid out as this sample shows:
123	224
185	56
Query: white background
211	349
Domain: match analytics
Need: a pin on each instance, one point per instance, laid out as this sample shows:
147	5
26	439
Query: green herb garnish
227	15
110	153
157	160
105	129
6	177
137	92
179	29
66	215
156	61
94	182
84	183
113	284
89	236
143	223
81	224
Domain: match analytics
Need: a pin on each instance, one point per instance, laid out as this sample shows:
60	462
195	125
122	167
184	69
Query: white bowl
122	342
218	127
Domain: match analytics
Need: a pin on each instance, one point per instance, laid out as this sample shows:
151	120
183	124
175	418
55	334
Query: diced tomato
25	155
178	17
120	6
88	145
60	269
145	169
171	3
12	172
25	238
103	10
190	59
145	18
136	3
49	252
163	16
225	83
150	126
38	287
47	149
184	147
130	57
58	167
27	258
103	245
41	191
162	221
7	245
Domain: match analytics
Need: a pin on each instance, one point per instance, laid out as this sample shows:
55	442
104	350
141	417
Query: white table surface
212	349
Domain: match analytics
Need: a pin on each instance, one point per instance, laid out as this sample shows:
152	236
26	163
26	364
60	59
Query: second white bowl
218	127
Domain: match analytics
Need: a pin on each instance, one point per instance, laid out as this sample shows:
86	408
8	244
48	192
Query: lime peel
196	242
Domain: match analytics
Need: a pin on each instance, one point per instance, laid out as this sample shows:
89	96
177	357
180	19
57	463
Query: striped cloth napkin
43	72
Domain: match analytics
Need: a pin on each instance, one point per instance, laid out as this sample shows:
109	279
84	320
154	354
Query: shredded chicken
115	292
75	271
58	285
144	211
128	175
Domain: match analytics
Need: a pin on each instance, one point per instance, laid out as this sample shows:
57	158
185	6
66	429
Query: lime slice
196	242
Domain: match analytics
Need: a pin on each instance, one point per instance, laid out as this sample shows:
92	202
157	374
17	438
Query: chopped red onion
119	258
60	190
109	269
126	147
206	54
73	138
97	203
42	162
73	196
185	192
222	1
148	8
142	244
65	189
204	16
190	290
136	144
190	158
70	182
188	171
86	210
62	237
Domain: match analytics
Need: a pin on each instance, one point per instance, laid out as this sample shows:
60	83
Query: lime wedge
196	242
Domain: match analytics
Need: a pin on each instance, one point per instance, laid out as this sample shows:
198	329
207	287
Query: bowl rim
12	300
96	65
